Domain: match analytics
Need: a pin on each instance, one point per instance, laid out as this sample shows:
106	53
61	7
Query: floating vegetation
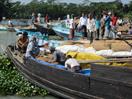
12	82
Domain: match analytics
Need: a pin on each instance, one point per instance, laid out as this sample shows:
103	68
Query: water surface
6	38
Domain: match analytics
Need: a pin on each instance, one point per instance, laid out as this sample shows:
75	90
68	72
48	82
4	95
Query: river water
7	38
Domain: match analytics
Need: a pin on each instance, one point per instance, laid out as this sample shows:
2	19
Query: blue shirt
97	24
107	21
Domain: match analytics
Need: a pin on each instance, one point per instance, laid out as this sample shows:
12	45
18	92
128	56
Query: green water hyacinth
13	83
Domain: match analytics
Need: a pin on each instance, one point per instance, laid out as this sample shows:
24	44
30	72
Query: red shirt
46	18
114	20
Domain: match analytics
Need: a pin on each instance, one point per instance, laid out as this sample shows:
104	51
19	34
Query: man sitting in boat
71	64
22	42
57	56
32	48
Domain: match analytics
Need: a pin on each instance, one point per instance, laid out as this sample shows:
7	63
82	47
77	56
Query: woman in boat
32	48
71	64
22	42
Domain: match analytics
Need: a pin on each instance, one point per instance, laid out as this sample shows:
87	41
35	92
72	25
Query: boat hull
71	85
64	32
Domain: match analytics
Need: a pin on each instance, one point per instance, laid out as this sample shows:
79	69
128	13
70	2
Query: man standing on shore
82	25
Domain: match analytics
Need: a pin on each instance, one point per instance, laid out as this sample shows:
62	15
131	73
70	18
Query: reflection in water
6	38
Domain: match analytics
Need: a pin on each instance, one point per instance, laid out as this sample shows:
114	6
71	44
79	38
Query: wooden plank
106	60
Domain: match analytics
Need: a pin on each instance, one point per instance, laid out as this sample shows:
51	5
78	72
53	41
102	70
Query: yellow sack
85	56
91	56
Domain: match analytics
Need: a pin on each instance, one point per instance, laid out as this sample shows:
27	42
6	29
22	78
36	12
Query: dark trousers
91	36
71	35
84	31
102	31
97	34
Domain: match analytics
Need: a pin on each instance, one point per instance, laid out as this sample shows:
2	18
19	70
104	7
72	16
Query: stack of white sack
66	48
88	50
122	54
75	48
108	52
105	53
111	53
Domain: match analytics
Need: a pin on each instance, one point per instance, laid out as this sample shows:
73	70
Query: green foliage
55	10
12	83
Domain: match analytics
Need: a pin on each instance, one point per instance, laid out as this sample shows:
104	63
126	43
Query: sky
78	1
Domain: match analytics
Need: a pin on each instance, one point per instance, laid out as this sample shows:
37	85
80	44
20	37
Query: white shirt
9	22
72	62
32	47
29	48
83	21
67	22
91	25
72	24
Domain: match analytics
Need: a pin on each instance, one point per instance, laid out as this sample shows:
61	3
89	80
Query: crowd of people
36	18
94	27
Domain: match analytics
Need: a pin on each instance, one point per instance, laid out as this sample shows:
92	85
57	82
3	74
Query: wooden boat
45	28
64	32
75	85
5	28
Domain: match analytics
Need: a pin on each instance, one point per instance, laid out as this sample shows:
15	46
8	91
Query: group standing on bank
94	27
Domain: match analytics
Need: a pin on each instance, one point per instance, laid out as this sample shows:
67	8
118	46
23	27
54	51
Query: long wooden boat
75	85
64	32
45	28
4	28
